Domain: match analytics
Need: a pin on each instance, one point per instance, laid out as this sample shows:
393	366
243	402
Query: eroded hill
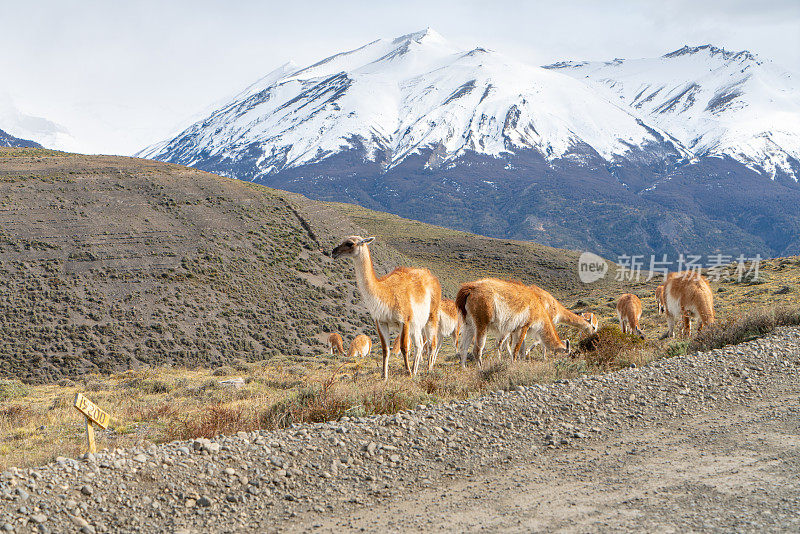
110	262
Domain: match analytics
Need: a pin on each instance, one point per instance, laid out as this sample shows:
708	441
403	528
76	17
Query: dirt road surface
731	470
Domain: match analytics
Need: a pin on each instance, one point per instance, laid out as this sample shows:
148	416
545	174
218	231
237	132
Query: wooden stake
90	436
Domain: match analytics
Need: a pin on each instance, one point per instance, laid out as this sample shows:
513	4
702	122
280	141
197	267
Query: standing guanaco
629	311
687	295
406	298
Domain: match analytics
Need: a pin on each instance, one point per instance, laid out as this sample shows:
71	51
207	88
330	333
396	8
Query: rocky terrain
388	472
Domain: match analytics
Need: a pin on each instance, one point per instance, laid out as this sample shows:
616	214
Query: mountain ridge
414	126
8	140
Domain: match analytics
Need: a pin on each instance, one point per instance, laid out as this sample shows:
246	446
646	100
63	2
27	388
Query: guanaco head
352	246
591	319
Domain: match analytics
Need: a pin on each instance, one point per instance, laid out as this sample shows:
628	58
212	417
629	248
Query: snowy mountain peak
428	35
417	93
394	98
713	101
712	51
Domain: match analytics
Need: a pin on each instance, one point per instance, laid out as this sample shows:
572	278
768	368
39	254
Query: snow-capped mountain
393	98
712	101
665	155
25	126
8	140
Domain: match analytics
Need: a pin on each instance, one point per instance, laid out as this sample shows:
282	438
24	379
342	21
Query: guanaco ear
366	241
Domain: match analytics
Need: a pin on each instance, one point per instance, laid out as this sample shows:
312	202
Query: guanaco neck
365	273
571	318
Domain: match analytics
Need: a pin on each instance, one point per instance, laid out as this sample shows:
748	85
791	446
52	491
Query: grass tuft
12	389
744	327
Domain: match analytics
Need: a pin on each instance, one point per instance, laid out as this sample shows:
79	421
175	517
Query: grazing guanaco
662	305
335	344
406	298
360	347
449	326
687	295
559	314
503	307
629	311
592	319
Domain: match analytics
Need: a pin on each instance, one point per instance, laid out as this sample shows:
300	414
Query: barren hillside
110	263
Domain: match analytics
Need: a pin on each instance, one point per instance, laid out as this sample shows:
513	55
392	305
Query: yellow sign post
94	416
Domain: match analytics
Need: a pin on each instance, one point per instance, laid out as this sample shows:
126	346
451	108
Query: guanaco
503	307
407	298
661	304
559	314
449	326
360	347
687	295
629	311
335	344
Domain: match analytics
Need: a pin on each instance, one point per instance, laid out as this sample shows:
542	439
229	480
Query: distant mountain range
8	140
697	151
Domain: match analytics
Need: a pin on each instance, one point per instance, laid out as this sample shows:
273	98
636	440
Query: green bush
12	389
606	347
676	348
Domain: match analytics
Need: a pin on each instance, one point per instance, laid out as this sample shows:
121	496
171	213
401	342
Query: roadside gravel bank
306	476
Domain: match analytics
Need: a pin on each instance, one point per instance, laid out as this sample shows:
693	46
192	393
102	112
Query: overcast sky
113	77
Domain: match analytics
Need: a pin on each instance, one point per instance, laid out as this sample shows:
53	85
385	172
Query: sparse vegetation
743	327
148	322
159	404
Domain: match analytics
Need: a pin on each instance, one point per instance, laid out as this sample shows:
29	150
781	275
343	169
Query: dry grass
744	327
38	423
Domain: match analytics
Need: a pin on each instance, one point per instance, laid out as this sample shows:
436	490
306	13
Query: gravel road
706	442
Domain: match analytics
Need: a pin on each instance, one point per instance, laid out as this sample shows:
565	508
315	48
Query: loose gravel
275	481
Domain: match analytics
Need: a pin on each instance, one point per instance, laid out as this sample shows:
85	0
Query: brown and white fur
502	307
360	347
335	343
687	296
559	314
660	302
449	326
629	311
406	298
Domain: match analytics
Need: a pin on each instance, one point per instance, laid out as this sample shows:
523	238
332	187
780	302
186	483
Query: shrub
734	330
152	386
214	420
15	415
147	413
392	398
309	405
787	316
741	328
224	370
96	385
12	389
609	346
676	348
